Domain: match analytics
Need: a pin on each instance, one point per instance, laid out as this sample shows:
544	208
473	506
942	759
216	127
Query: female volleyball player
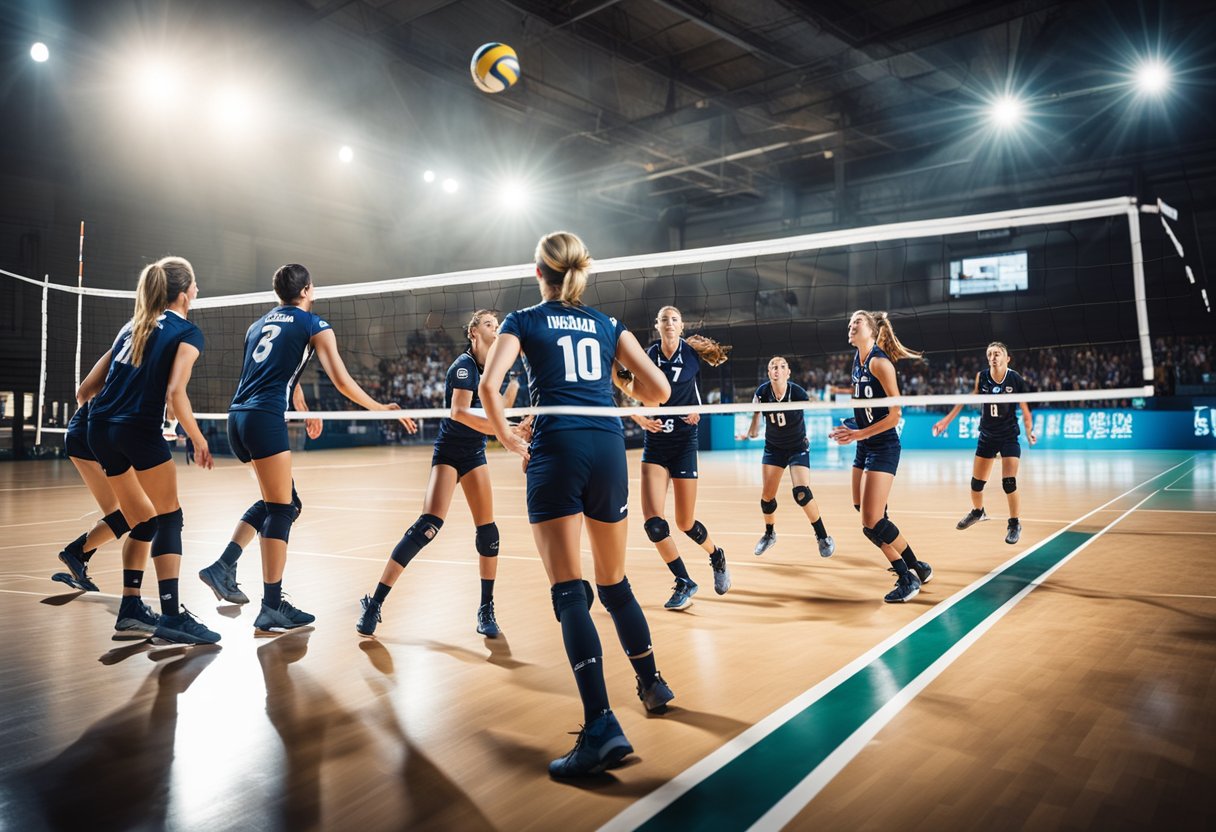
459	457
998	435
278	346
576	468
669	455
878	448
785	446
149	365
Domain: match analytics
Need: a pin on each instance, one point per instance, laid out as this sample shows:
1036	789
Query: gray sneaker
827	546
656	695
134	616
222	581
976	515
721	574
1014	533
765	543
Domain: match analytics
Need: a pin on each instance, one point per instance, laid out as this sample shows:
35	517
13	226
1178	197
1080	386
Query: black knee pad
698	533
416	536
978	485
168	537
768	506
886	531
657	529
802	495
255	515
296	501
117	523
279	517
1010	484
615	596
570	593
872	536
145	531
487	540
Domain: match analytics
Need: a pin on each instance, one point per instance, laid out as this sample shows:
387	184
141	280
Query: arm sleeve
319	324
798	393
194	337
462	375
511	326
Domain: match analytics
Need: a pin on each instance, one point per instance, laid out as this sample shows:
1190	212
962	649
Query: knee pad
487	540
168	537
978	485
416	536
768	506
569	594
255	515
1010	484
117	523
872	536
657	529
296	501
615	596
886	531
698	533
802	495
145	531
279	517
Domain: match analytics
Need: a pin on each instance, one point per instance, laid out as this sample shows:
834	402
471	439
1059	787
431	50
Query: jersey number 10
582	359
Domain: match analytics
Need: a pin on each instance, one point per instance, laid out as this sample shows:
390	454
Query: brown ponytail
159	285
564	262
884	335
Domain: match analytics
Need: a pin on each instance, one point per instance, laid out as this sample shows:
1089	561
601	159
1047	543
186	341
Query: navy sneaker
77	575
721	574
601	744
656	695
681	595
923	571
1012	535
976	515
134	616
907	587
221	578
765	543
183	628
281	619
827	546
366	626
486	624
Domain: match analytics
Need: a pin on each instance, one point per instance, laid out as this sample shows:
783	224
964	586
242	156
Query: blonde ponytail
159	285
886	340
565	263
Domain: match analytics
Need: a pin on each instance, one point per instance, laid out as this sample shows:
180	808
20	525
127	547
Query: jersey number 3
269	333
582	359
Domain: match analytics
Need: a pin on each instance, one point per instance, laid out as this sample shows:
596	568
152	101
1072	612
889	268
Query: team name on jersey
571	322
280	318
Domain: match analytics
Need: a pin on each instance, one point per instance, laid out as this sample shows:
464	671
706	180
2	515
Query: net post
46	290
1146	347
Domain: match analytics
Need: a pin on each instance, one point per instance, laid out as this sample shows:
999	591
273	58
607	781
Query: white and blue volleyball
495	67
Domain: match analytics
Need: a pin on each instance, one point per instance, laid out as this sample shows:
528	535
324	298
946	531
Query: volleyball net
1071	289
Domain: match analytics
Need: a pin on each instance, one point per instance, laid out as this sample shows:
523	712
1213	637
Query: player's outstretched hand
406	421
939	428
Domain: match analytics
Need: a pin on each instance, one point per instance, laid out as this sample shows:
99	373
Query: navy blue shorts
76	443
1008	447
463	460
578	472
256	434
118	446
678	457
787	457
882	457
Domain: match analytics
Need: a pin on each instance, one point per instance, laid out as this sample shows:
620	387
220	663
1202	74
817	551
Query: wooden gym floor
1063	683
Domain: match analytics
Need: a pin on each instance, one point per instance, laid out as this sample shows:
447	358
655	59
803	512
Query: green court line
743	790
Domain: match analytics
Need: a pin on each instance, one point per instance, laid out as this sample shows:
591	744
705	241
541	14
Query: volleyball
495	67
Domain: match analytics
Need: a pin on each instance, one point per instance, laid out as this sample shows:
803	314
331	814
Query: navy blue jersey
454	437
867	386
1000	420
785	429
682	369
136	395
568	353
277	348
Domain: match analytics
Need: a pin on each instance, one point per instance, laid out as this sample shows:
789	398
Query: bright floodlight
1152	77
345	154
39	52
450	186
513	194
157	85
428	176
231	109
1006	111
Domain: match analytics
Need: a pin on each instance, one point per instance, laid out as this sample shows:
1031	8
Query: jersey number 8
582	359
269	333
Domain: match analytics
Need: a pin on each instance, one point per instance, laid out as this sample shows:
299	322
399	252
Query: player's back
277	348
137	394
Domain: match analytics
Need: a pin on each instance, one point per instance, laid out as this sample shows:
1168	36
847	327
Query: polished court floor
1068	682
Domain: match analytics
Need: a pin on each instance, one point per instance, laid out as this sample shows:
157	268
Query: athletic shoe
655	696
134	616
923	571
1014	534
281	619
681	595
366	626
183	628
907	587
601	744
222	580
721	574
976	515
486	624
765	543
827	546
79	572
